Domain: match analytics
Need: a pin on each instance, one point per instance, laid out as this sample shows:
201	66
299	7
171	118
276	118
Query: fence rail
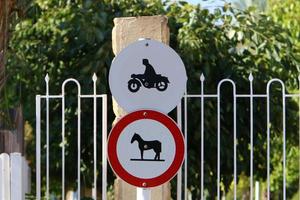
182	120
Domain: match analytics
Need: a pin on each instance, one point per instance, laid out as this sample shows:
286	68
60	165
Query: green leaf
240	35
230	34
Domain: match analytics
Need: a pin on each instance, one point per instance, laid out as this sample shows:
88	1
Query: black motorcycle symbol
149	79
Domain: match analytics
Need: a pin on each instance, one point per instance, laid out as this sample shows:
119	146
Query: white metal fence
14	177
80	96
251	96
182	120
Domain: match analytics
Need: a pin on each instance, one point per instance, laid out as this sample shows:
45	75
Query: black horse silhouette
147	145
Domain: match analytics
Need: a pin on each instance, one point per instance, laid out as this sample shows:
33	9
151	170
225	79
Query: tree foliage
250	42
286	13
73	39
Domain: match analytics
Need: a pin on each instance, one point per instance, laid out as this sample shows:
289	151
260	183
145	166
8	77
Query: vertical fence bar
202	78
256	190
234	136
78	141
185	146
218	141
78	135
47	136
104	146
95	137
283	138
235	140
268	143
251	136
179	174
38	145
63	143
299	131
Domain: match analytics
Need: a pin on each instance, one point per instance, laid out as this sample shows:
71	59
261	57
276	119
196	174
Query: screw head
145	114
144	184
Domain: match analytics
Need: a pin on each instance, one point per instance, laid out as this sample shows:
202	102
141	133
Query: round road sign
147	74
145	148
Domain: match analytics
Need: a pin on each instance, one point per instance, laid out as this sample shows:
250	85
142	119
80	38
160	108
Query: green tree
286	13
252	44
65	39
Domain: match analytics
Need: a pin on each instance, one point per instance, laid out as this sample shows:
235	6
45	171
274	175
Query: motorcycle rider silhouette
149	79
149	73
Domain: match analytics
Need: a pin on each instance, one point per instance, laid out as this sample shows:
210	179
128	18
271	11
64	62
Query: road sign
145	148
147	75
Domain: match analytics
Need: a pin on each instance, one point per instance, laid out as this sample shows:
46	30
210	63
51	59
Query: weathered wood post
126	31
11	137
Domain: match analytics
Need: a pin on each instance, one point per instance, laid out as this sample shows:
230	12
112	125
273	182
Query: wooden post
126	31
12	140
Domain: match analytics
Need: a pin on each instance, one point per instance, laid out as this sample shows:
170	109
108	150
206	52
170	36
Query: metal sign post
143	193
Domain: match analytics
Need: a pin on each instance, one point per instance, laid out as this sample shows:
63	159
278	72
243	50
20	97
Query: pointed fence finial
47	78
202	78
250	77
94	77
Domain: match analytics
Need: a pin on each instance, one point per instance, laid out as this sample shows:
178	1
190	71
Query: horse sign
145	148
147	75
146	145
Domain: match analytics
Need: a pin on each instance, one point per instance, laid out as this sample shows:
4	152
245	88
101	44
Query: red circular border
112	148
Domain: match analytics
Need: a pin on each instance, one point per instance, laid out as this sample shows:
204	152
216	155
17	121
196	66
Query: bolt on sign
148	80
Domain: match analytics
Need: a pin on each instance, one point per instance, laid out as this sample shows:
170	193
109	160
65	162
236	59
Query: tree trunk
5	10
11	137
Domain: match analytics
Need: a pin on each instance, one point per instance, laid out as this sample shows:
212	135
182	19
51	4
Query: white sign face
147	75
143	145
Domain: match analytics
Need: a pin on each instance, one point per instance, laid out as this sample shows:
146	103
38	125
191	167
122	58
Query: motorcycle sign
147	74
149	79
